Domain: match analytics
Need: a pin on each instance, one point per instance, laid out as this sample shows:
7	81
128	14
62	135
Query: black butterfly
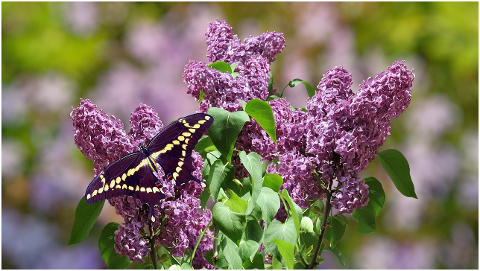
132	174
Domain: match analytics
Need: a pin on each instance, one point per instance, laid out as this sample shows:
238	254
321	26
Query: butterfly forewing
172	148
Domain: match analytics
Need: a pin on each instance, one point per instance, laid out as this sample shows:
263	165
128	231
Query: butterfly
133	174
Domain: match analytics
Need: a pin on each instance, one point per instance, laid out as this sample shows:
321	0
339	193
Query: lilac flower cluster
223	45
337	136
253	58
104	140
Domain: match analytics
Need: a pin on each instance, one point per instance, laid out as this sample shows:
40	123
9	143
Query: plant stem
328	206
152	247
198	241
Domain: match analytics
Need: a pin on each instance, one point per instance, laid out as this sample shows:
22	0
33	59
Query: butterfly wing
128	176
104	185
172	147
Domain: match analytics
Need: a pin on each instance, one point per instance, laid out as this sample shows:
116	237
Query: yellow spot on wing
118	186
137	188
187	134
94	193
202	121
88	196
186	140
149	190
130	188
192	130
184	146
196	126
106	187
178	169
142	189
180	163
112	184
175	175
100	190
155	189
119	179
124	186
176	142
124	176
181	138
207	117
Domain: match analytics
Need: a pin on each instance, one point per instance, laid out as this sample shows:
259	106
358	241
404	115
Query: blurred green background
122	54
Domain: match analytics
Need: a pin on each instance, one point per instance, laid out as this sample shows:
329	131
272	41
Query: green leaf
262	113
235	203
186	266
376	194
221	66
398	169
276	264
270	82
336	229
225	129
106	244
219	173
205	145
232	224
201	96
253	231
269	203
283	231
85	216
256	263
366	219
252	163
272	180
286	250
231	253
248	249
306	225
294	209
233	66
336	253
310	89
307	242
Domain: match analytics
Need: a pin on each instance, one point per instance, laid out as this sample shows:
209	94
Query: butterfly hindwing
104	184
172	148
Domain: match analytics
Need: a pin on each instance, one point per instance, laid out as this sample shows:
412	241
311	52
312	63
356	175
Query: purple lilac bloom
223	45
220	89
345	130
104	140
253	58
296	170
352	195
337	136
289	126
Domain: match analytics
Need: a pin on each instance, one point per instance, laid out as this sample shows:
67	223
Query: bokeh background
122	54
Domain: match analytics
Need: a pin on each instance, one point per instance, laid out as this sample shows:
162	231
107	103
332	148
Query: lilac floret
145	123
352	195
99	137
223	45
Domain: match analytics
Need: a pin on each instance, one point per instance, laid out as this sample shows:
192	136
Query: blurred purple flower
82	17
104	140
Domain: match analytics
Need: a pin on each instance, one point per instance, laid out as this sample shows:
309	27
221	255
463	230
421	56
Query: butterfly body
135	174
